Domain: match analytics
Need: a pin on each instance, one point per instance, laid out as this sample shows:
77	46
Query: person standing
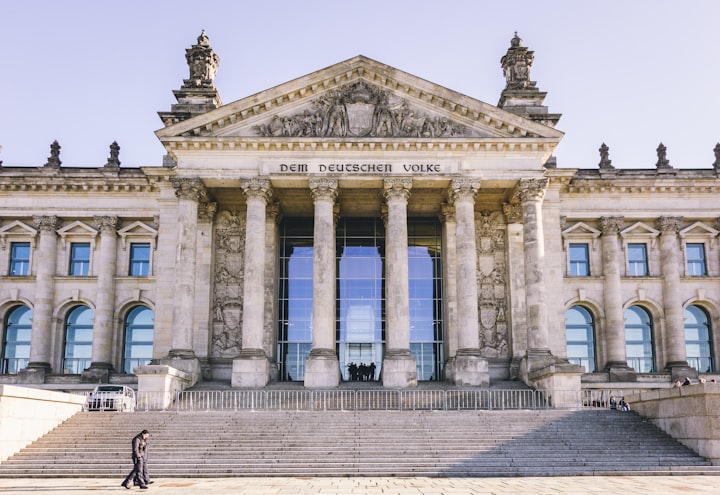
139	451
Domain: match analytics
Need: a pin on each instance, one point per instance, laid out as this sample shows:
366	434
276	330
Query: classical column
42	312
102	343
252	368
614	335
470	368
398	368
189	192
531	193
676	361
322	368
449	266
516	285
272	239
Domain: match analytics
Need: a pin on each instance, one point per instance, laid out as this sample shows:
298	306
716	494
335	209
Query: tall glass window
637	260
295	299
695	260
139	260
139	330
579	260
425	284
361	296
698	339
580	338
16	344
80	259
19	259
639	340
78	340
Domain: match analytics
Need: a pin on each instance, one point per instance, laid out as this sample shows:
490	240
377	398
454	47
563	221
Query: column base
471	370
250	370
679	370
399	370
619	371
183	360
322	369
533	360
97	373
34	373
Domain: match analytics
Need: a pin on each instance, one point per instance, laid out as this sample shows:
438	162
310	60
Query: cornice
694	187
243	143
53	185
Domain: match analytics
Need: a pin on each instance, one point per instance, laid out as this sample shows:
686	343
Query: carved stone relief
493	326
229	248
360	110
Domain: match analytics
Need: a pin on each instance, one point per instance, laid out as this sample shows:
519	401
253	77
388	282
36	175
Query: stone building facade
359	223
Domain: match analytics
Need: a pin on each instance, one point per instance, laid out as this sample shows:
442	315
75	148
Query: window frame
146	263
645	342
81	363
703	261
581	233
13	259
5	359
127	359
573	262
74	261
645	263
590	345
694	361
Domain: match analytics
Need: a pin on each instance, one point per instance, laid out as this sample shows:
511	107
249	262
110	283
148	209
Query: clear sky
630	73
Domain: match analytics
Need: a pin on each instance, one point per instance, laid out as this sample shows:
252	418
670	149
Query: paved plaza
572	485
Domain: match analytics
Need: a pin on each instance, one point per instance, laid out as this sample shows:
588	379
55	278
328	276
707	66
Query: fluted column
398	363
189	192
252	369
676	356
531	193
42	312
322	368
449	266
470	368
102	344
516	285
614	334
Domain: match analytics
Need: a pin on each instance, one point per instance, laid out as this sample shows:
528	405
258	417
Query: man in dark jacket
139	451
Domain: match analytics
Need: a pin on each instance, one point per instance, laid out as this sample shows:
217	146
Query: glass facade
580	337
639	339
139	330
78	340
698	340
360	293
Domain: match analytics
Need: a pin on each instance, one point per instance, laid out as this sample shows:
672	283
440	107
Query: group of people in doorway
362	372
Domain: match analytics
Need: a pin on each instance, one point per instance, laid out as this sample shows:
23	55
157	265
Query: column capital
669	225
257	188
274	212
46	223
106	224
397	188
610	225
207	211
447	213
532	189
190	188
464	189
323	188
513	213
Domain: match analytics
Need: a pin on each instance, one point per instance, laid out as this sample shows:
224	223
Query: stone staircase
359	443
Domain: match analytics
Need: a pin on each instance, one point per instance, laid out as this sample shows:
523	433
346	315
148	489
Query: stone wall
690	414
26	414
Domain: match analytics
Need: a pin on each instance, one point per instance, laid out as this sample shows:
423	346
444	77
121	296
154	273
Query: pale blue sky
629	73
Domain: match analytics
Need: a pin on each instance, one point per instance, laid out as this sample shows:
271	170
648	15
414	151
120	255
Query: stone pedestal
681	370
185	361
250	370
322	369
96	373
560	382
158	384
399	370
33	374
471	370
620	372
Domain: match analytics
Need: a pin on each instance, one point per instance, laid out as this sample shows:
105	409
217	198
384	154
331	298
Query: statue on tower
203	63
516	64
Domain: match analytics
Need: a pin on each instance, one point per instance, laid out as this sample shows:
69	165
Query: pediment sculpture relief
360	110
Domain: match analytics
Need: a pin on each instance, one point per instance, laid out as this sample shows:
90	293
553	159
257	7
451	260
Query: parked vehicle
111	398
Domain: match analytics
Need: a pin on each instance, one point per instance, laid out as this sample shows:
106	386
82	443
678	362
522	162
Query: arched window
16	341
78	340
580	337
139	329
698	339
639	340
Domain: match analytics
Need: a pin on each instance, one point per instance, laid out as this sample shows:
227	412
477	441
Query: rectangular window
579	260
637	260
80	259
19	259
139	260
695	260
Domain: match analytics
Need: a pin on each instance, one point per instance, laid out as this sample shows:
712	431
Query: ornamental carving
611	225
106	224
669	225
360	110
229	249
189	188
46	223
491	280
532	189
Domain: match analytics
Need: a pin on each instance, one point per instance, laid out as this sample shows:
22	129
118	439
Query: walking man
139	451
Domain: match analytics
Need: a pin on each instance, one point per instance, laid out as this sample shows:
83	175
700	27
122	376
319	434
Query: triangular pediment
17	229
359	99
581	229
698	229
639	229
